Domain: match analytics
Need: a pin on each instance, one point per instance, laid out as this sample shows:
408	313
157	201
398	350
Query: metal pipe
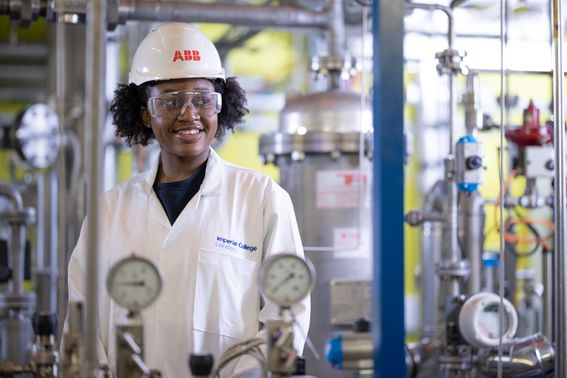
17	248
473	114
560	261
502	265
457	3
241	14
436	7
531	356
547	278
473	237
336	26
13	195
432	233
46	271
95	112
63	193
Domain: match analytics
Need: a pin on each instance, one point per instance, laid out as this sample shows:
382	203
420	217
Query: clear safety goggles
172	104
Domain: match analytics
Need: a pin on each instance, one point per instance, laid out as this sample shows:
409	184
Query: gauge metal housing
286	278
134	282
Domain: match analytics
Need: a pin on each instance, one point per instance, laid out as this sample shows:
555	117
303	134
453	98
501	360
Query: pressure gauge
134	283
286	278
479	320
36	136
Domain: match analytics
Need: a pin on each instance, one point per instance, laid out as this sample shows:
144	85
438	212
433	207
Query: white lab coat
210	298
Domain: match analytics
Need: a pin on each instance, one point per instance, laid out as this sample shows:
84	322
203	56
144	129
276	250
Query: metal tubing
473	237
241	14
436	7
560	291
336	26
13	195
47	242
452	83
17	248
63	194
432	233
17	240
531	356
95	113
547	278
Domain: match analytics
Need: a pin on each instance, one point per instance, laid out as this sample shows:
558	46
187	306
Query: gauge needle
289	277
131	283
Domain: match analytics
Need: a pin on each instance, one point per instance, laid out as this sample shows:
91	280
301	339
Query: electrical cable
511	237
248	347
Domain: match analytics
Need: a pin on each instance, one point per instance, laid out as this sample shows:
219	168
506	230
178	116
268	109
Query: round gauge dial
36	136
134	283
286	278
479	320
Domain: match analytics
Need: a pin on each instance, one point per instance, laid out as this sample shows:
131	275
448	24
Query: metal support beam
388	189
559	260
95	105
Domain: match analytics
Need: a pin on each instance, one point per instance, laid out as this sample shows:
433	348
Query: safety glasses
172	104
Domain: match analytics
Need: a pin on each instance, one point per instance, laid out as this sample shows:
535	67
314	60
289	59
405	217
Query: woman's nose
188	110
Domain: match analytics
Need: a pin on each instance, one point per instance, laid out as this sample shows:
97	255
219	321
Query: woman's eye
171	103
202	101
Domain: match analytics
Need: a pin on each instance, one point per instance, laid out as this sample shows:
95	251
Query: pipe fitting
531	356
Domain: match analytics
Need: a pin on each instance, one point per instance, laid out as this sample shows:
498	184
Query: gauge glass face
288	279
134	283
37	136
489	321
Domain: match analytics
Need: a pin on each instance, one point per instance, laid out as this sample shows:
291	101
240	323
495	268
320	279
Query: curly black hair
128	100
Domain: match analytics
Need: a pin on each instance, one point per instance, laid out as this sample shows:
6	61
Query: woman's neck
171	170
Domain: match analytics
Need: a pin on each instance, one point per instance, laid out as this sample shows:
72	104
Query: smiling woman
173	215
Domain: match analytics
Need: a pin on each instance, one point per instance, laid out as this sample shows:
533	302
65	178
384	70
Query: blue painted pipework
388	190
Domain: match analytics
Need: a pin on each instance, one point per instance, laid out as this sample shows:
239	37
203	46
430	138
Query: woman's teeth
189	132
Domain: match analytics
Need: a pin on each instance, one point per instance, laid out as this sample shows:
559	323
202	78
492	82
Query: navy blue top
174	196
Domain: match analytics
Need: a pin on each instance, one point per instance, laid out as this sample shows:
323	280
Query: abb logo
185	55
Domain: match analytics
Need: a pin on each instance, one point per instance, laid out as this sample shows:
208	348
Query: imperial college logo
186	55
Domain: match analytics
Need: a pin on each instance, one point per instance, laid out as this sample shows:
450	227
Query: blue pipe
388	188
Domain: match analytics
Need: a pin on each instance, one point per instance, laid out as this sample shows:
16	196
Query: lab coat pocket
226	295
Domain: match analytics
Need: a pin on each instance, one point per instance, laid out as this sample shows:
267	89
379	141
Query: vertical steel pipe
95	115
548	293
559	263
473	237
502	265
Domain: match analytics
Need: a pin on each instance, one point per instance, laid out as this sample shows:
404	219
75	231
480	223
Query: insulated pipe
95	112
560	308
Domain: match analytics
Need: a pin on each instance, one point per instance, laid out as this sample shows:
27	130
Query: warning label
340	189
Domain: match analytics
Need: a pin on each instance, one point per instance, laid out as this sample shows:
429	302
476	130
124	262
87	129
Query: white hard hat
175	51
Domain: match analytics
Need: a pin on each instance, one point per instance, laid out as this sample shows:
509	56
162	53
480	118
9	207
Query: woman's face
182	125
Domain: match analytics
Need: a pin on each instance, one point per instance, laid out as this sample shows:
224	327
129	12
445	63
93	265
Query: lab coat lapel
211	186
156	213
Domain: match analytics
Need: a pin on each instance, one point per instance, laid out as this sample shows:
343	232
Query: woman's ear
146	117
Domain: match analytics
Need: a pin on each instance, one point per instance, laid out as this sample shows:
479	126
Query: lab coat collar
212	183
